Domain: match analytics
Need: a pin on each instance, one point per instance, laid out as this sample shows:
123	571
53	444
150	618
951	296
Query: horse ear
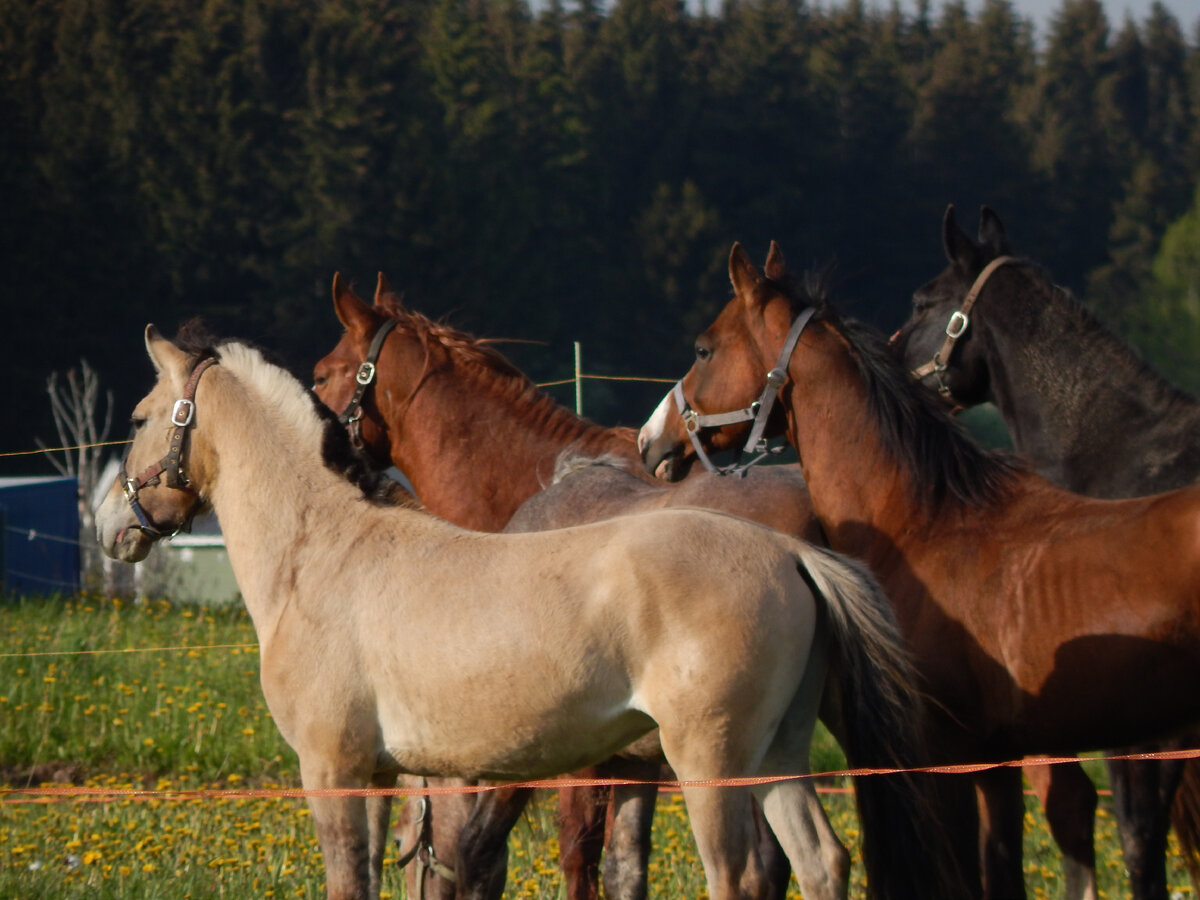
960	249
352	311
991	231
162	352
776	268
388	300
743	274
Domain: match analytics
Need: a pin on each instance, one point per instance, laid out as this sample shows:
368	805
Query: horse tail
907	850
1185	817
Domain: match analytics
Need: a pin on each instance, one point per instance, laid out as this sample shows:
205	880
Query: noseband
183	415
956	328
757	412
352	415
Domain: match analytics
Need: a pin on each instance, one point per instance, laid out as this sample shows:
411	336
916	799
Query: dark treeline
574	173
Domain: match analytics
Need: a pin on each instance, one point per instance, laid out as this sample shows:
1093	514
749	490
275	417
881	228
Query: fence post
578	381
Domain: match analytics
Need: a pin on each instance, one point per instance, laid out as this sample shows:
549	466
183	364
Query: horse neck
859	491
1076	400
476	449
270	487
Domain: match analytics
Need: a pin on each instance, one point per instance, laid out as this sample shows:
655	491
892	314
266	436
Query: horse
481	445
569	644
1041	621
1088	414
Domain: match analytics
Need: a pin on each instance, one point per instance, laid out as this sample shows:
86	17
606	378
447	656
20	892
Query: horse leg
343	833
627	854
379	812
798	820
581	815
1142	794
1001	834
778	867
482	850
1185	816
1069	800
721	822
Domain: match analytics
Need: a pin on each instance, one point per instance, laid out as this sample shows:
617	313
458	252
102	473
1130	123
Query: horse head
166	457
938	341
345	377
722	399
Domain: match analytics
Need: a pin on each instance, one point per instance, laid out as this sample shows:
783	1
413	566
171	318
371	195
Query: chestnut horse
479	442
1088	414
567	644
1042	621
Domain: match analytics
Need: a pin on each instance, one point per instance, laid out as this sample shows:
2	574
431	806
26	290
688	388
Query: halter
757	412
422	850
183	415
352	415
956	328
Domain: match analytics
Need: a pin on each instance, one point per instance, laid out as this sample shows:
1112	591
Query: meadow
160	704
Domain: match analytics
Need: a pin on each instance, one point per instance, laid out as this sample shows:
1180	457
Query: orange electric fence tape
53	793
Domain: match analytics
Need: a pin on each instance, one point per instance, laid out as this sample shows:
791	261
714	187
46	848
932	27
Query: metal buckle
690	420
957	325
776	377
183	412
366	373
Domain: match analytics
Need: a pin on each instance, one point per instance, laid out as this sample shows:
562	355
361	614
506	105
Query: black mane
1118	354
915	428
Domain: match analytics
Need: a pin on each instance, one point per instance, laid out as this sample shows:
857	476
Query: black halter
183	414
352	415
757	412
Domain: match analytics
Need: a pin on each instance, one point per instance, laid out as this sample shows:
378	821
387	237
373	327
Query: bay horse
480	445
1041	621
1088	414
569	644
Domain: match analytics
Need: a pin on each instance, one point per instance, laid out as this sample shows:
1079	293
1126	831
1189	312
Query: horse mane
489	370
1119	356
914	428
269	375
571	461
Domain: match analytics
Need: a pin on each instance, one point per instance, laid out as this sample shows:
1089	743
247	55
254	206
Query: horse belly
507	743
1108	690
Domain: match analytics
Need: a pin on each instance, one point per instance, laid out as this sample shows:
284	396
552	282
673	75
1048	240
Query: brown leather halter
183	415
421	851
960	319
352	415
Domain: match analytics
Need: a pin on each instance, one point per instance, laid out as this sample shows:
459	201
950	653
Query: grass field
158	698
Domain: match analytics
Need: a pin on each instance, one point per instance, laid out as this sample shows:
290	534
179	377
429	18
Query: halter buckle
957	325
366	373
776	378
183	412
690	420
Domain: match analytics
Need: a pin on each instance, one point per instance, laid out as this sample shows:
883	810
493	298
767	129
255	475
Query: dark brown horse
1088	414
1043	621
477	440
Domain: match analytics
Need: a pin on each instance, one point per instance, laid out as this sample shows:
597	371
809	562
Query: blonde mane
280	392
298	412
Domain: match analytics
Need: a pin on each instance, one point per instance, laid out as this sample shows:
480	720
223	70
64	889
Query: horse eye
319	380
137	422
702	353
